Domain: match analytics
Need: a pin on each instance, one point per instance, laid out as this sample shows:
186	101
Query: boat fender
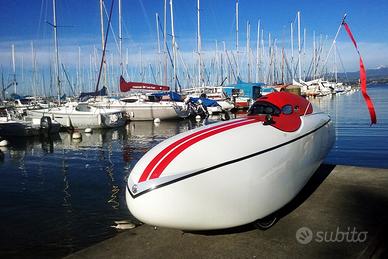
88	130
46	123
3	142
76	135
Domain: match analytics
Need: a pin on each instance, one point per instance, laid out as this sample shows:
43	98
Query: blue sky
23	21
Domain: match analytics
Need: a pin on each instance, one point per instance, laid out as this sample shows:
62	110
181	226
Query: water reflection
69	192
357	143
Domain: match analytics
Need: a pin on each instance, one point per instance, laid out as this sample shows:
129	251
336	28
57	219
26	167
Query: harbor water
60	195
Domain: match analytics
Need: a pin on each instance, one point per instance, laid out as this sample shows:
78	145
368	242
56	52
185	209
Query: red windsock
367	99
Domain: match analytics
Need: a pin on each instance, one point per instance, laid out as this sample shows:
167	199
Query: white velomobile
232	173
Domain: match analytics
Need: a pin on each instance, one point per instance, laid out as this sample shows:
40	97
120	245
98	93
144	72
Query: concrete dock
342	212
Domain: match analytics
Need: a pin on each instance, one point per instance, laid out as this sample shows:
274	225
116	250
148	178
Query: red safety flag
367	99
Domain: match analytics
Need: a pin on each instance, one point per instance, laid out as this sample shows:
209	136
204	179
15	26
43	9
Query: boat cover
86	95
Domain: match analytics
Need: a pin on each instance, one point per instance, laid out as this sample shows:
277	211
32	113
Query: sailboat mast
159	51
292	51
2	84
173	47
218	65
304	52
199	45
262	54
14	67
249	50
314	57
257	51
33	63
299	50
120	40
270	58
79	77
335	62
103	38
238	69
165	42
58	82
22	68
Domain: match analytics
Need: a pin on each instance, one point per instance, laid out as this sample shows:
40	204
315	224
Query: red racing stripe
153	163
167	160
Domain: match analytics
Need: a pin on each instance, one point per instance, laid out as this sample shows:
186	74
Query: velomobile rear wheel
266	222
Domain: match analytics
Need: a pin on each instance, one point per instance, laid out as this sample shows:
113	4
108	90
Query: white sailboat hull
147	111
144	112
81	120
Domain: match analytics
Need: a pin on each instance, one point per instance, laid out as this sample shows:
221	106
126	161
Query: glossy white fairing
231	178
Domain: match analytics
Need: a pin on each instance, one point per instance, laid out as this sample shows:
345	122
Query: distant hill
380	73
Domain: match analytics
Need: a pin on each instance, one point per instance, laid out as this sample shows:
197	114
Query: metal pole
165	43
120	40
58	82
299	50
292	51
199	46
173	47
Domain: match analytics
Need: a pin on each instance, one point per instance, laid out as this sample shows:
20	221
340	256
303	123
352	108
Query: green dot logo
304	235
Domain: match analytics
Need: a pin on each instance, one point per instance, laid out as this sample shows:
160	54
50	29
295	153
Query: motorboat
79	115
13	125
233	172
216	93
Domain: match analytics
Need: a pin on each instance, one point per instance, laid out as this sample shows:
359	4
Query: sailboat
150	101
80	115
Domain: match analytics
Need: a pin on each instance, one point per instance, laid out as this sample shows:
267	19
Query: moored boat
188	182
13	126
151	102
82	115
141	107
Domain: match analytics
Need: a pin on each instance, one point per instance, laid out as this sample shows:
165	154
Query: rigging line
310	69
184	64
168	52
334	40
230	65
111	27
152	73
68	80
287	65
104	50
342	64
40	18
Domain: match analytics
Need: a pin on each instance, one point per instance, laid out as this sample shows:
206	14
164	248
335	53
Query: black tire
266	222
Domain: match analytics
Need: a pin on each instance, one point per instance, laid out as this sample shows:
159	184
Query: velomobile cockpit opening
263	108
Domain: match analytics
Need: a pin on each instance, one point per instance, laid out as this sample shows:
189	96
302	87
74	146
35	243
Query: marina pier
344	207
